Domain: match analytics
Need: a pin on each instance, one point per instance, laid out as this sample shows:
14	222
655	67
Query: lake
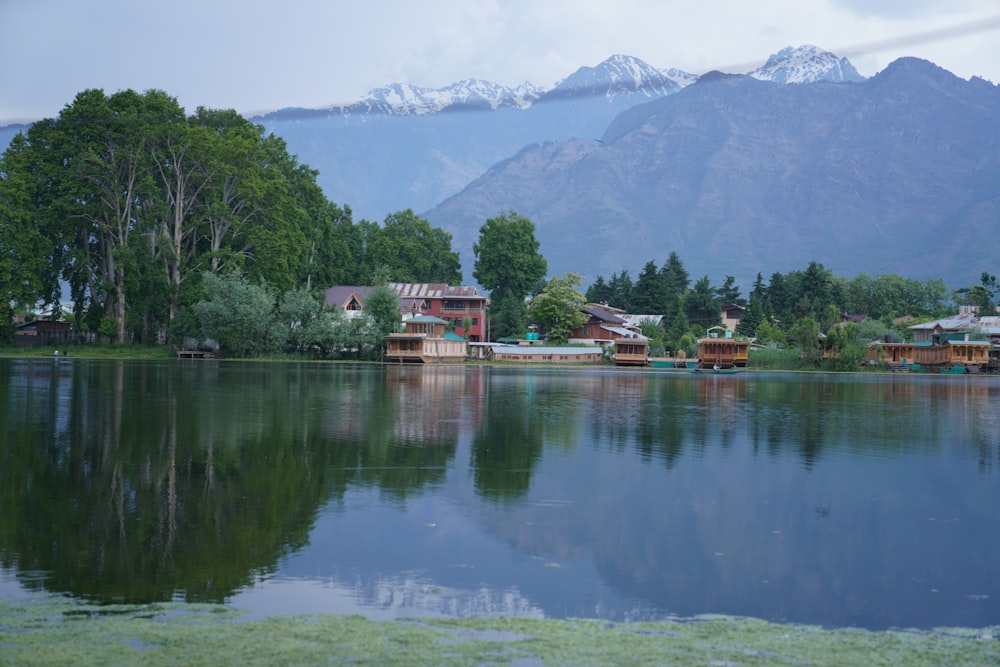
388	491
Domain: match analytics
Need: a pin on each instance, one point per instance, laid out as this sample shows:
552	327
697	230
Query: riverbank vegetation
163	227
52	633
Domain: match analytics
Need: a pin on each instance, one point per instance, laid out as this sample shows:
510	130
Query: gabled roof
603	314
954	323
340	295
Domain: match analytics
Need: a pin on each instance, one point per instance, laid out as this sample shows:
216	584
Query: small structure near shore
545	354
425	341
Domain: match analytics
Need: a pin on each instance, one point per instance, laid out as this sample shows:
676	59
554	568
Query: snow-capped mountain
620	78
404	99
615	76
679	76
806	64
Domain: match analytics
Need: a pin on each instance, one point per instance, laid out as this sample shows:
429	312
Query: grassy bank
92	352
53	632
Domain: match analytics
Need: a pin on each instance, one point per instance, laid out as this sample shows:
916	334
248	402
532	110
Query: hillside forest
161	226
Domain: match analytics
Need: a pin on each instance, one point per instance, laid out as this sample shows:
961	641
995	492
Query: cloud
257	55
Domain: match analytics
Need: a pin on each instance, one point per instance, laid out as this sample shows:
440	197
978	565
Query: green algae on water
58	632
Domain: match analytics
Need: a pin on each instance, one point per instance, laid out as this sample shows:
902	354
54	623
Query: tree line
164	226
128	203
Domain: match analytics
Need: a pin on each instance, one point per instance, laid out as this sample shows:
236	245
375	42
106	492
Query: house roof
953	323
435	291
409	294
426	319
340	295
603	314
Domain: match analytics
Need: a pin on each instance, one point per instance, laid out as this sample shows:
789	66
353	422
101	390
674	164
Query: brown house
425	341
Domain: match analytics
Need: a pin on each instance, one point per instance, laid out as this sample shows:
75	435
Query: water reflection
398	490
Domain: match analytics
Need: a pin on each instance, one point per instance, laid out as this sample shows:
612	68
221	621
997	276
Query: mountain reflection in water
399	490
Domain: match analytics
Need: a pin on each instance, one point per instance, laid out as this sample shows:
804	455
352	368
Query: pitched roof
603	314
340	295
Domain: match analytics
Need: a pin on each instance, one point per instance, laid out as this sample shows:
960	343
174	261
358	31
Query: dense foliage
163	226
510	266
128	204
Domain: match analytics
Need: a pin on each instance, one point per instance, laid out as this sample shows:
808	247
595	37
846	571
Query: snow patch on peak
806	64
619	74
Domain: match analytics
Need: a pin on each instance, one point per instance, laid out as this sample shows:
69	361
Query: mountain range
801	159
409	147
899	173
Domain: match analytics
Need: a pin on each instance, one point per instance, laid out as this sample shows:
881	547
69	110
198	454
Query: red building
454	304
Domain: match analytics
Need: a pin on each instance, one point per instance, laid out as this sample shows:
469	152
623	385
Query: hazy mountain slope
406	147
897	174
410	147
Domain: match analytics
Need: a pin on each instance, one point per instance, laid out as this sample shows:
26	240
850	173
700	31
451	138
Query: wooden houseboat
942	354
425	341
715	353
632	351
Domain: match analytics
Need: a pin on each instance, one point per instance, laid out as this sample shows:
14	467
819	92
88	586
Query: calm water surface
399	491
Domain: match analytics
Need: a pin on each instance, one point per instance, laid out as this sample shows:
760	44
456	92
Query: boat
720	371
722	354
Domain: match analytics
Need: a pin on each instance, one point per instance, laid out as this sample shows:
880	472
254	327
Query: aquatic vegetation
53	631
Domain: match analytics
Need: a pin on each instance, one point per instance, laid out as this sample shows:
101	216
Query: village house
458	306
604	326
731	315
964	342
425	341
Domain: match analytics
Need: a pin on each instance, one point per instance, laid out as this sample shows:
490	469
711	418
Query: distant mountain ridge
617	75
409	147
895	174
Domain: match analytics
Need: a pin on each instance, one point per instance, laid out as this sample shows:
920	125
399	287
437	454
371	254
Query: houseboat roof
624	333
533	350
425	319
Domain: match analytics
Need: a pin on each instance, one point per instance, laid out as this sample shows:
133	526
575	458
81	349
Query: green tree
981	295
237	314
730	292
650	293
559	308
701	305
805	336
675	324
508	316
771	334
675	277
382	305
508	263
598	292
754	314
620	288
23	247
410	250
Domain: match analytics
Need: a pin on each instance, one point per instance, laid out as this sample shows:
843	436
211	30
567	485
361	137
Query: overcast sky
260	55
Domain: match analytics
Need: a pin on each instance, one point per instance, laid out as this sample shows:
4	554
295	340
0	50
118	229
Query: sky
261	55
